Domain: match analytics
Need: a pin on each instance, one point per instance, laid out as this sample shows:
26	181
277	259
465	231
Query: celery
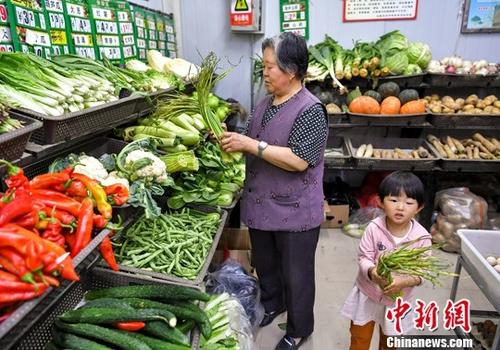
181	161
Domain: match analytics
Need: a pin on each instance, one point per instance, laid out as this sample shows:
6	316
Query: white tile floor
336	269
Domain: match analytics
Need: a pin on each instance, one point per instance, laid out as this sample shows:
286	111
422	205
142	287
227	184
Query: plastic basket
13	143
459	80
84	122
424	164
203	271
39	332
404	81
390	120
464	121
337	142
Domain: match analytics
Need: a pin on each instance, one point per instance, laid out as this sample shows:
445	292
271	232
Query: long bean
175	243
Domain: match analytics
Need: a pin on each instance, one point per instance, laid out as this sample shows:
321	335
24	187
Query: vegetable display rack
6	43
29	27
59	28
139	31
81	32
126	29
105	24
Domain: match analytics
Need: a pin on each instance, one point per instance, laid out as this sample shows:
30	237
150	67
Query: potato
472	99
428	98
489	100
495	111
435	97
489	109
460	102
445	99
448	110
468	107
436	109
477	111
424	102
496	104
480	104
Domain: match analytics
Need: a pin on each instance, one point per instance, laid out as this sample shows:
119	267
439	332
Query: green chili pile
175	243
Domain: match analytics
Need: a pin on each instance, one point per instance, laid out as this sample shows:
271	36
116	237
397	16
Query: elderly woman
282	202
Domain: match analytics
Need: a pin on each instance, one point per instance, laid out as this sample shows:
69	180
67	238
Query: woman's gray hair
291	53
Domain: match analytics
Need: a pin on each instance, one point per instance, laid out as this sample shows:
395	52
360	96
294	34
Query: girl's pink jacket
378	240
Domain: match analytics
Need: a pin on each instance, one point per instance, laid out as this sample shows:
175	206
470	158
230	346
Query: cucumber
162	331
111	336
186	326
157	344
204	324
71	341
51	346
149	291
191	312
100	315
109	302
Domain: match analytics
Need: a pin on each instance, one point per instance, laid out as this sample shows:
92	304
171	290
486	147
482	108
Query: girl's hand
376	278
399	282
234	142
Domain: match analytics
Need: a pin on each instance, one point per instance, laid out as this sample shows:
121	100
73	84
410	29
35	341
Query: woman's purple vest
275	199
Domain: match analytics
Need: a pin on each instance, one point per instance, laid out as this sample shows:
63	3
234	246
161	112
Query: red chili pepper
53	232
4	275
99	221
34	260
19	206
132	326
17	286
118	193
29	220
77	189
47	280
97	192
15	263
70	239
18	296
63	216
108	254
10	238
58	200
16	177
83	232
48	180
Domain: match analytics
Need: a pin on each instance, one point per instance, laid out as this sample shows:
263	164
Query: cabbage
412	69
397	63
419	53
392	42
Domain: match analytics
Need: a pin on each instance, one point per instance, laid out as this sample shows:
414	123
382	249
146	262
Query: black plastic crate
404	144
338	143
459	80
404	81
13	143
72	125
38	333
464	121
387	120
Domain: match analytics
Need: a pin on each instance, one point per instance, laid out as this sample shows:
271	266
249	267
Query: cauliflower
146	165
91	167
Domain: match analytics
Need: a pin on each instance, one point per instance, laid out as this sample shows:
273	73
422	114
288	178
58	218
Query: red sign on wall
241	13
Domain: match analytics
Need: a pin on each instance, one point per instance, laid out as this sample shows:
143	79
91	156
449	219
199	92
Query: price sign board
125	28
59	28
82	38
6	43
379	10
294	17
104	20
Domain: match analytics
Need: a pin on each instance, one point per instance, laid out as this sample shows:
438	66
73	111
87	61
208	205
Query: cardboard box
241	256
235	239
336	216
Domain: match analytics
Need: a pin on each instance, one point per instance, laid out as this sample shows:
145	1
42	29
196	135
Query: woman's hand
234	142
376	278
211	134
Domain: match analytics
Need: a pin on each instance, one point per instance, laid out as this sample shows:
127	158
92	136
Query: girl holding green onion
402	196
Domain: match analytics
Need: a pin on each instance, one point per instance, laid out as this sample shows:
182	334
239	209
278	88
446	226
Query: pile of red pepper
43	219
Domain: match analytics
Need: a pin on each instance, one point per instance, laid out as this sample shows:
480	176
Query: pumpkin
408	95
390	105
412	107
374	94
388	89
352	95
364	105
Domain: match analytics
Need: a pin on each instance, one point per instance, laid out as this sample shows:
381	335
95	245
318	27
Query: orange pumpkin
390	105
364	105
413	107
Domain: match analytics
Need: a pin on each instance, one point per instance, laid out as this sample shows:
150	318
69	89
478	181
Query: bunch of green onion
416	262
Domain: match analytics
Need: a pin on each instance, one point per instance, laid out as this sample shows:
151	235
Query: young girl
401	195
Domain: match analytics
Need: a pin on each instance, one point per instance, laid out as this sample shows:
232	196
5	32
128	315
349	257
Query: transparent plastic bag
360	219
232	278
458	208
